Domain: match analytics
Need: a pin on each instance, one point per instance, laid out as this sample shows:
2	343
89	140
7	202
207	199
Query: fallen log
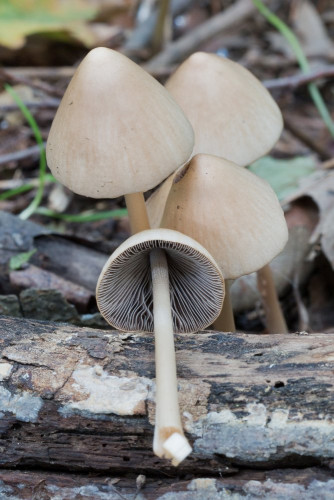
77	400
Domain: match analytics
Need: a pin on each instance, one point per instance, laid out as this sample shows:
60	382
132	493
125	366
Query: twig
159	34
292	82
20	155
306	139
67	72
48	103
178	50
299	79
17	183
44	73
9	77
142	34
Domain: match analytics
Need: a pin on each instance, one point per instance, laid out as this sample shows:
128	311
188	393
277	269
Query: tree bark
77	400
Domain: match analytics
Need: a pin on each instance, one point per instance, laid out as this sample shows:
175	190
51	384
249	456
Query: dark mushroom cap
124	290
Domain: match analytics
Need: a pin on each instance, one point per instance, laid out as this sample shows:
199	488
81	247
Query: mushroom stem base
169	441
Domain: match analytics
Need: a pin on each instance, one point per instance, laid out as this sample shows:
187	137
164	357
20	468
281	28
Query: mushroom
234	117
117	132
138	292
232	113
231	211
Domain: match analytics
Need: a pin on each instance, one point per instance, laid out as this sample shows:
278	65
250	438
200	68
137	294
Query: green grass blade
17	261
91	217
301	58
42	162
15	191
24	188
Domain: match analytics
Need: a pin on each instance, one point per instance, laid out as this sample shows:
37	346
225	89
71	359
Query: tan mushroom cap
124	289
232	113
232	212
117	130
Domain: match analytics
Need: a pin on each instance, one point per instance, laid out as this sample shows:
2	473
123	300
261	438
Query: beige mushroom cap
229	210
117	130
232	113
124	289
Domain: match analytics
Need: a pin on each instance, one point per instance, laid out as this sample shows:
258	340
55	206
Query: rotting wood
78	399
294	484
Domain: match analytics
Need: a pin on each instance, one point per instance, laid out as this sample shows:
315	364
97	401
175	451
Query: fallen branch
34	151
300	79
13	79
44	103
176	51
77	399
306	138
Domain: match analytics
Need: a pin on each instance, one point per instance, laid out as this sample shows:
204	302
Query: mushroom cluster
234	118
119	132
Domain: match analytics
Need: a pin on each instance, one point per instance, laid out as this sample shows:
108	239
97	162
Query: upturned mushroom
117	132
231	211
234	117
136	293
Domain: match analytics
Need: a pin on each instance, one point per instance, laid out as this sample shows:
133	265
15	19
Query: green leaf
17	261
283	175
19	18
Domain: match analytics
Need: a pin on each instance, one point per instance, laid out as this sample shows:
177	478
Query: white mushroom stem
169	440
135	204
275	321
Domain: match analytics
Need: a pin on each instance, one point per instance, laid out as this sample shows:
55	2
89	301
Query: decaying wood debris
77	400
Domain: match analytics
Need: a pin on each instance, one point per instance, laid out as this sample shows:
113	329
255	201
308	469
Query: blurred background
41	43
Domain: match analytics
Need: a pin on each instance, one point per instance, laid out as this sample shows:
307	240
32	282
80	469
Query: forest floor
299	168
50	263
40	69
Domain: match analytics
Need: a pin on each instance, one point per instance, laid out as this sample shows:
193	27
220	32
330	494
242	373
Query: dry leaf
311	30
320	188
20	18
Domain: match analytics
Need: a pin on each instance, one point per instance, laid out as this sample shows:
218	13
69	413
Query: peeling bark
81	400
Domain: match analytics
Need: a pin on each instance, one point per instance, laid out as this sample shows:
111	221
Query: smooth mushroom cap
124	289
232	212
232	113
117	130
